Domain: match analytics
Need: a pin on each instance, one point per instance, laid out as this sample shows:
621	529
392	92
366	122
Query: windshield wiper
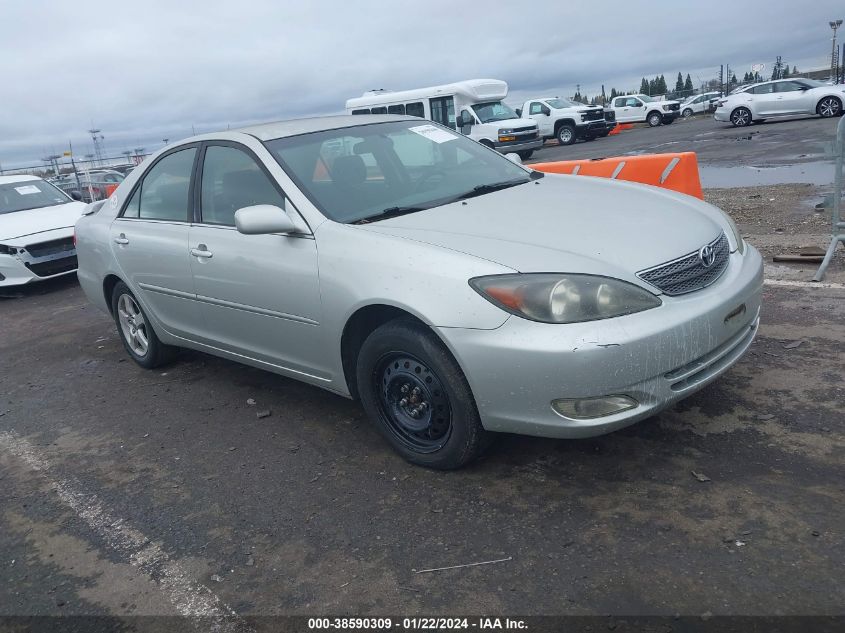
480	190
390	212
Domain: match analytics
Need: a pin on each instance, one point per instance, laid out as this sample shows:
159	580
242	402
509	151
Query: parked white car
699	104
36	230
782	97
644	109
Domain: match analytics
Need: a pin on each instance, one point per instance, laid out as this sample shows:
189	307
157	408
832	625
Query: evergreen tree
794	70
733	79
785	74
613	93
679	84
661	85
645	86
688	85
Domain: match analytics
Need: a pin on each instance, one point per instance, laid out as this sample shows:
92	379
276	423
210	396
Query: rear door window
164	191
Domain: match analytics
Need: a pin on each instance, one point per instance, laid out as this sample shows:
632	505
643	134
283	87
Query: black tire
741	117
565	134
403	360
526	154
589	137
687	113
604	134
654	119
156	353
829	107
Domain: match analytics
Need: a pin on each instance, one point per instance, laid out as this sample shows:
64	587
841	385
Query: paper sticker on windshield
433	133
27	189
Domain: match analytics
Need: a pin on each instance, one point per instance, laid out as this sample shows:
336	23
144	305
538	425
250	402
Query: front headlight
666	108
7	250
563	297
506	131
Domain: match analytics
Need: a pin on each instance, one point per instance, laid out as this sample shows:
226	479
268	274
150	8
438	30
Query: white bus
481	113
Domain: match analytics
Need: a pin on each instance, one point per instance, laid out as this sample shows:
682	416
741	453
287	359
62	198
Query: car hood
566	223
24	223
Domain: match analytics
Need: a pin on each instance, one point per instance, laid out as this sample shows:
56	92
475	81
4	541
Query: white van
481	113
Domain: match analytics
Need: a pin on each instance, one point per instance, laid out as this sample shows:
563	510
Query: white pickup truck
644	109
566	120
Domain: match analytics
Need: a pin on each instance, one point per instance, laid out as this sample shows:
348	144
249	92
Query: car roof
5	180
280	129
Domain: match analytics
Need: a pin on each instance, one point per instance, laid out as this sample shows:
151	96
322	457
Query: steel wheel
741	117
413	402
133	325
565	135
829	106
655	119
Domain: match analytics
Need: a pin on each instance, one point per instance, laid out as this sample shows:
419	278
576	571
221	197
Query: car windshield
493	111
561	103
367	172
29	194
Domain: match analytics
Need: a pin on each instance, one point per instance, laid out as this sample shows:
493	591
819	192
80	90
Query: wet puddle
752	176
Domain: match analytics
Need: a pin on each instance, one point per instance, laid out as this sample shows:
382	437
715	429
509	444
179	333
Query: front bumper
671	115
38	258
518	145
657	357
594	128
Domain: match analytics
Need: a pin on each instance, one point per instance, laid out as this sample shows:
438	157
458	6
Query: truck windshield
493	111
364	173
29	194
645	98
561	103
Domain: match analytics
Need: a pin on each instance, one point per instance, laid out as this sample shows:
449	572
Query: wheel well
484	141
560	122
658	112
359	326
818	105
108	288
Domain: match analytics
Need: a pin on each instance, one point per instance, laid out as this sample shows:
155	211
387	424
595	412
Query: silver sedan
452	291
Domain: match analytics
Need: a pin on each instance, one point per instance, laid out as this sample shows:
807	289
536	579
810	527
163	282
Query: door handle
121	239
202	251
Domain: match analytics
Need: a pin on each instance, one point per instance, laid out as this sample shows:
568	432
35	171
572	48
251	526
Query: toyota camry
454	292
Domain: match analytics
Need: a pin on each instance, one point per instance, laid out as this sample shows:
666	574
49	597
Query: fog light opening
588	408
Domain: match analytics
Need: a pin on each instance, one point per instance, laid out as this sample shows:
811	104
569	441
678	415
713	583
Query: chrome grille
688	273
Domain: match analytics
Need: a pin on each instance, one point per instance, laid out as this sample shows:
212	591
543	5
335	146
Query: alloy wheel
133	325
829	107
413	402
740	117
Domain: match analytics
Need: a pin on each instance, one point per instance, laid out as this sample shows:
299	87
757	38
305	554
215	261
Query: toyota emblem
707	255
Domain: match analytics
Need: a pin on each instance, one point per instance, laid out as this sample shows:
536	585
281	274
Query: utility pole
834	52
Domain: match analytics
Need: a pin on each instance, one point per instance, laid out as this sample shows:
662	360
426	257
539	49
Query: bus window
415	109
379	110
362	111
396	109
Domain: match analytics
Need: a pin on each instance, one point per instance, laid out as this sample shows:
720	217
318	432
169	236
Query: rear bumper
656	357
722	115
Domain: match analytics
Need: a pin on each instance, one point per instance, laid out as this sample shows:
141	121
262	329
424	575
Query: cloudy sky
147	70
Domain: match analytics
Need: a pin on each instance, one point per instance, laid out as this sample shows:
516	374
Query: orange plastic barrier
110	190
678	171
620	128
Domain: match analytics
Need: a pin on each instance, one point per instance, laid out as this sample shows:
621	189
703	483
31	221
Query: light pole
834	56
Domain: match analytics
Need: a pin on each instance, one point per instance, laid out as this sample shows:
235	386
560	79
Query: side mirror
514	158
466	119
518	112
76	195
262	219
